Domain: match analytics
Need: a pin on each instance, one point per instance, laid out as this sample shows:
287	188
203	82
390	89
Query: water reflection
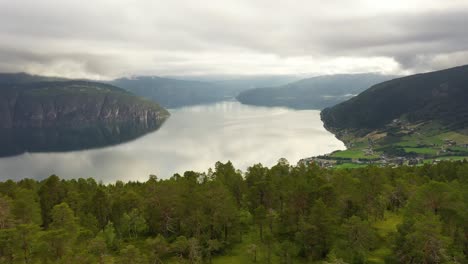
20	140
193	138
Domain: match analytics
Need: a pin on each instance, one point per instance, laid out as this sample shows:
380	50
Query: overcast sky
110	38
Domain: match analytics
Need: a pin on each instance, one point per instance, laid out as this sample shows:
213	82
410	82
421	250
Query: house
324	163
396	122
368	152
399	161
450	143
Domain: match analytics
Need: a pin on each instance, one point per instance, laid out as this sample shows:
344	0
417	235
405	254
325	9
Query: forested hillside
435	97
419	117
282	214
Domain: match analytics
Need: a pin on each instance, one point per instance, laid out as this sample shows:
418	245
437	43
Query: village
383	159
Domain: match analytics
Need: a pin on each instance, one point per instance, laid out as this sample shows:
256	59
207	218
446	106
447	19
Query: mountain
439	98
173	93
25	103
21	77
312	93
242	83
179	91
43	114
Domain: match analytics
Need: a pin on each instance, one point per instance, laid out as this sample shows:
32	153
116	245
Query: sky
104	39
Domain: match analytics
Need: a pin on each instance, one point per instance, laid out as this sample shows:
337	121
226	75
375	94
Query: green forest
283	214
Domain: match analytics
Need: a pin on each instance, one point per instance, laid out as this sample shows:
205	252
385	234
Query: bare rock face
73	104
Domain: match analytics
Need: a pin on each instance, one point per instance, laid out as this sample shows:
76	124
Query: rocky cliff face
73	104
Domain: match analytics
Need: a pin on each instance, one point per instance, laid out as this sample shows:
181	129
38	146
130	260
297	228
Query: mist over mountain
174	93
313	93
22	77
182	91
242	82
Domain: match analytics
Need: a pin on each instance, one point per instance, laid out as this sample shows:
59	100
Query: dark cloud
111	38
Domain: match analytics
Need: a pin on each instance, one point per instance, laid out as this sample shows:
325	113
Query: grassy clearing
459	148
240	252
459	138
350	166
428	151
385	228
416	140
388	224
454	158
352	154
408	143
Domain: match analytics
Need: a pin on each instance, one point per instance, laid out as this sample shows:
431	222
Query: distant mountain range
241	82
439	98
173	93
312	93
170	92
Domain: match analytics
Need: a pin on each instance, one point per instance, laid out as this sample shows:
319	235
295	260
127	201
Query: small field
350	165
353	154
425	151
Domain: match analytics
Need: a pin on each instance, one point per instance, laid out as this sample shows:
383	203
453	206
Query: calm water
193	138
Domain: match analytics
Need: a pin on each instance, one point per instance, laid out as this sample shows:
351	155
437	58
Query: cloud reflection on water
193	138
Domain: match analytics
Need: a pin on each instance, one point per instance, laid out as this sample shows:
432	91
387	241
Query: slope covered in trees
312	93
437	97
283	214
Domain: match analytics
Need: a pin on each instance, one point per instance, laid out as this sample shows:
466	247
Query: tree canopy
282	214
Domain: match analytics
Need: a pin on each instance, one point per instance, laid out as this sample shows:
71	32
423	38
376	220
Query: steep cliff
67	103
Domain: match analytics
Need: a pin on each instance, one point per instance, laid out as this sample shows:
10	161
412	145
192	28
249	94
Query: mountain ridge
312	93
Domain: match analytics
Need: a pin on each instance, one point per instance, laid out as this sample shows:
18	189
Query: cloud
105	39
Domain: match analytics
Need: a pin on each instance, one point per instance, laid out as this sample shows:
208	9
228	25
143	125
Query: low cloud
106	39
